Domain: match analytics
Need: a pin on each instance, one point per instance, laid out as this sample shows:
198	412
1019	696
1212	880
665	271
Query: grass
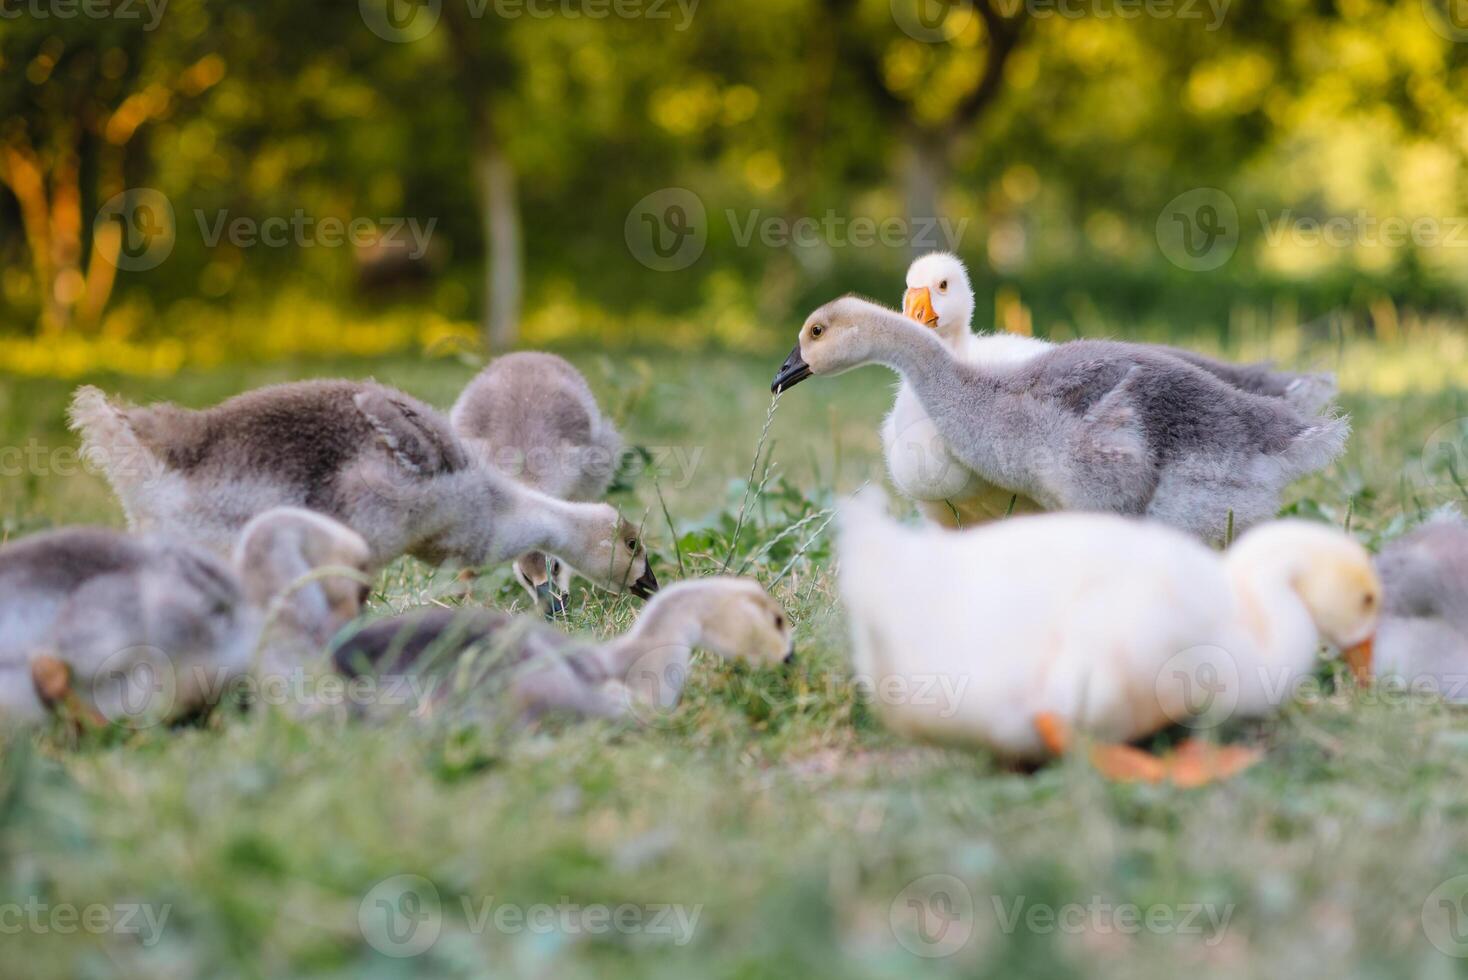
771	805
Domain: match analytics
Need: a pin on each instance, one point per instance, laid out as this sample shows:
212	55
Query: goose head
939	296
838	337
1424	572
1330	573
608	550
742	622
317	569
545	578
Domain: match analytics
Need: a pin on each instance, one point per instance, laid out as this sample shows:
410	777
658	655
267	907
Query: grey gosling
376	459
533	417
1088	425
544	671
1423	637
110	627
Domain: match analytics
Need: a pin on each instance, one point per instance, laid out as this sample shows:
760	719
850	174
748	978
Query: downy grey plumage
1423	637
151	627
533	417
374	458
1089	425
543	670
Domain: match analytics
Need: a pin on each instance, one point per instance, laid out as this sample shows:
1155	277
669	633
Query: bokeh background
1220	170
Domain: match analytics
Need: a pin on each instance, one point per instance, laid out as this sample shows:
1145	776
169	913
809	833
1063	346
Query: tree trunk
924	175
503	261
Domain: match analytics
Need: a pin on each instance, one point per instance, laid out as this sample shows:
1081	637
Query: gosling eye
779	621
632	544
1368	600
817	330
943	286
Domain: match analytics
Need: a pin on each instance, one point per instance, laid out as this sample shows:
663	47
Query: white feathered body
922	466
1104	621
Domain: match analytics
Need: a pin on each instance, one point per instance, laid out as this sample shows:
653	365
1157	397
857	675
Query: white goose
919	461
1047	626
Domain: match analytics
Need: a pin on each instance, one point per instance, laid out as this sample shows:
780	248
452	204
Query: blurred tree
78	92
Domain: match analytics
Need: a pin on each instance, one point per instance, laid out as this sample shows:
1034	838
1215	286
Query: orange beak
1358	658
917	304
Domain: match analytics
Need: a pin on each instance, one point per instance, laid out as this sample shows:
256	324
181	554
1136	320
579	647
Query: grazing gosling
120	628
1089	425
1043	627
1423	638
533	417
547	671
378	460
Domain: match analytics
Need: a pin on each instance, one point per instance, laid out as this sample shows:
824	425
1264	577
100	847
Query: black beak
789	657
792	372
644	587
550	600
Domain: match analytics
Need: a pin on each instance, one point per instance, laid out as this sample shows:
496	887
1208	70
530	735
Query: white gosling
378	460
939	295
117	628
640	674
1044	627
1088	425
1423	639
533	417
920	463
